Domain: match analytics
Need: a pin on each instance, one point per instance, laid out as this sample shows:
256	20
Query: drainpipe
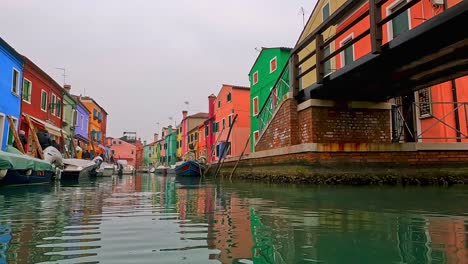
455	106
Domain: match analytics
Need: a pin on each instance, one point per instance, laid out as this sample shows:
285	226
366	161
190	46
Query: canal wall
356	164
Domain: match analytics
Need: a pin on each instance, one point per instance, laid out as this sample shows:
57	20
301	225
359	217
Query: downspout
455	106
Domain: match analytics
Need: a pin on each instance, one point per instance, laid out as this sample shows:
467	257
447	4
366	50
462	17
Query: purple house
82	124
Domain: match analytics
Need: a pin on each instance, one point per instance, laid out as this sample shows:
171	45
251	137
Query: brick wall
335	125
282	131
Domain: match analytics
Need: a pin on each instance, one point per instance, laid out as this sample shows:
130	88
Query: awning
81	138
37	122
53	130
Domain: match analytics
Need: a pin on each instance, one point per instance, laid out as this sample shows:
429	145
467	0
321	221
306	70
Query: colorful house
11	71
193	140
263	75
81	126
148	152
96	118
179	142
201	143
68	119
170	146
427	106
122	150
231	101
189	123
209	124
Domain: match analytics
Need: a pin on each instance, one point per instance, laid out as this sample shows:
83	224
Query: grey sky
141	59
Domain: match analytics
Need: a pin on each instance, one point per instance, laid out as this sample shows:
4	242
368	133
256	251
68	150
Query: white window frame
329	10
2	127
53	103
256	132
30	90
46	99
7	123
390	23
276	65
18	87
253	78
342	54
255	113
57	106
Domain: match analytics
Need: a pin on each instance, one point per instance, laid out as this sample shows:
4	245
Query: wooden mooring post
225	150
36	143
240	157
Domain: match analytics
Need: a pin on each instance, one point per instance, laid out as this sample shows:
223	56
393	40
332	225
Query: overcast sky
142	59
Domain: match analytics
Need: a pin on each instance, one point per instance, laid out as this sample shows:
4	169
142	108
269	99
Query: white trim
2	127
30	91
253	106
342	57
253	78
58	107
329	9
258	137
390	24
47	100
17	93
276	65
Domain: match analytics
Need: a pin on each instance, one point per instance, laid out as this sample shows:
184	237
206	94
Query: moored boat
17	168
189	168
161	170
76	168
105	170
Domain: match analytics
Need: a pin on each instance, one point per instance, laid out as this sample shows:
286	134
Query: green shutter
400	23
327	64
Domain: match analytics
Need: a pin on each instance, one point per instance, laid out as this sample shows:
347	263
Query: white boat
105	170
72	169
125	168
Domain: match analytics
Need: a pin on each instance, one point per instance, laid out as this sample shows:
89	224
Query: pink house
122	150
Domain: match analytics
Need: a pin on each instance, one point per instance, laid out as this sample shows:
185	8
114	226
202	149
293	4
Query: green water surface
155	219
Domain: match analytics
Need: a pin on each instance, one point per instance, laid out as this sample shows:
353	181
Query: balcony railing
277	95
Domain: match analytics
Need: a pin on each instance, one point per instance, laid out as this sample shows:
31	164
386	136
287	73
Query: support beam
375	13
293	74
18	143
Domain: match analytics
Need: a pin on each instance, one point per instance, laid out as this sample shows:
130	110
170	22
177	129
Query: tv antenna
303	12
64	74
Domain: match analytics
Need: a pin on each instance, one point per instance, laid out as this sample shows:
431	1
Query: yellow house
95	123
322	10
179	142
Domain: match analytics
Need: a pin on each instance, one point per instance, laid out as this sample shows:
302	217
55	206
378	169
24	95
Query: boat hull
14	177
190	169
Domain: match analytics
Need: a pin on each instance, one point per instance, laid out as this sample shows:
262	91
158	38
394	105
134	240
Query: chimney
211	105
156	137
184	114
67	87
144	143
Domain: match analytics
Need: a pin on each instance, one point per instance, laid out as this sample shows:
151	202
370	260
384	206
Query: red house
42	101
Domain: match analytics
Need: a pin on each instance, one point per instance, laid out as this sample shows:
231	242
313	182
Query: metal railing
433	118
278	93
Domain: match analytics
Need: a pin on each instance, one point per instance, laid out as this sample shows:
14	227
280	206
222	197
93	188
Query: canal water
154	219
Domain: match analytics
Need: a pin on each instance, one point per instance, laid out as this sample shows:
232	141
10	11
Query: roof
199	115
11	49
78	101
308	21
263	48
91	99
29	62
237	87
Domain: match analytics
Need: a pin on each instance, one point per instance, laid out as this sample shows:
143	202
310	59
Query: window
326	11
256	135
224	123
94	113
273	65
132	152
206	131
52	103
229	120
10	138
327	64
15	82
229	97
400	23
347	56
255	78
120	142
82	121
27	86
59	107
162	134
100	116
219	104
255	106
114	142
196	135
2	127
44	101
424	97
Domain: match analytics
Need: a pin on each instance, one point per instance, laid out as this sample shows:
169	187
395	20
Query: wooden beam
375	13
36	142
240	157
18	143
293	73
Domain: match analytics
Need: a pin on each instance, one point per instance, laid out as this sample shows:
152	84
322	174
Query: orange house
96	118
433	114
231	101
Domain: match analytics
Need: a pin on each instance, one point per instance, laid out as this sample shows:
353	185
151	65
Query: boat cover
11	158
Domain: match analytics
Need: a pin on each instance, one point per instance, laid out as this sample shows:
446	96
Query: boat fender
28	172
3	173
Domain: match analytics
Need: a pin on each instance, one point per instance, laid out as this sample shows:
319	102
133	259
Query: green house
265	72
69	121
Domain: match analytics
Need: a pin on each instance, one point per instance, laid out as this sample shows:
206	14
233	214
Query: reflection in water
154	219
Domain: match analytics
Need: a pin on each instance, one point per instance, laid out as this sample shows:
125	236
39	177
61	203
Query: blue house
11	76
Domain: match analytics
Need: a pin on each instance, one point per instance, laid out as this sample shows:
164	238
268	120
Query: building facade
231	101
81	131
189	123
263	76
201	143
122	150
11	76
96	118
209	124
192	138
